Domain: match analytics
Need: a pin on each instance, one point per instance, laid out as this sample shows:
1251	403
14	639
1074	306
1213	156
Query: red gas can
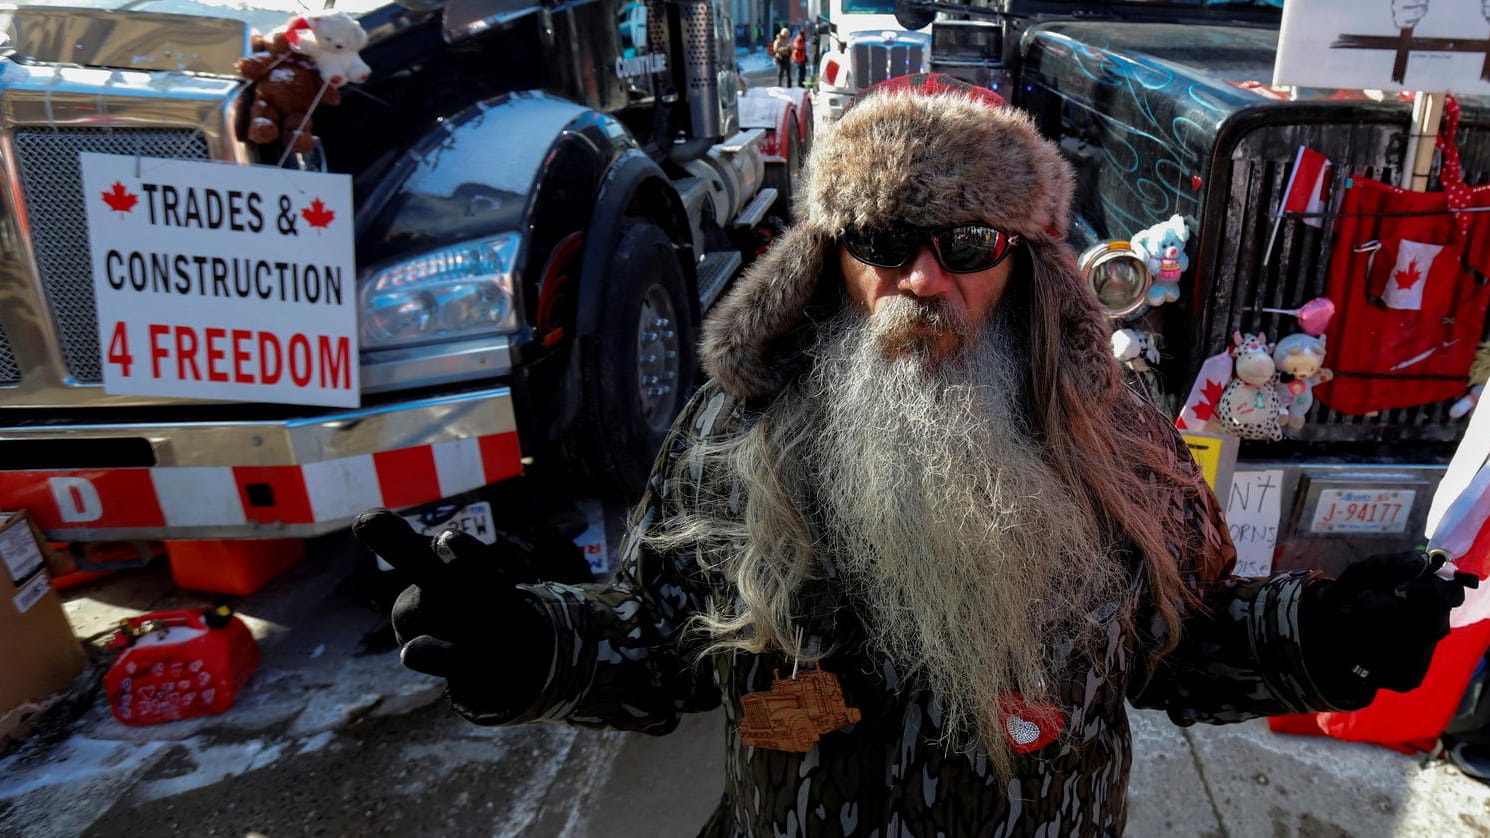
179	664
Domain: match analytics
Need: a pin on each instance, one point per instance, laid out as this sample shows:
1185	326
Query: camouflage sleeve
1239	654
619	657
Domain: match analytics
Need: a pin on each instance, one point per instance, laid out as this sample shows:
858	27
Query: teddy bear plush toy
1163	249
332	41
1300	362
285	88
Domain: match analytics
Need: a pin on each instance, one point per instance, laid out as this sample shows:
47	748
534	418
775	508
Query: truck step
756	209
742	141
714	274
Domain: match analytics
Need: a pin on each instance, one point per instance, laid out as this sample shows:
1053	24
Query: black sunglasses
960	249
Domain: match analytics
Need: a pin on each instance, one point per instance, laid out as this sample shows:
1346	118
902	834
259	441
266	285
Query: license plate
1363	510
475	519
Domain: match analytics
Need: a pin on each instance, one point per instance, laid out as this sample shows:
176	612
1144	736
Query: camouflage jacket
622	660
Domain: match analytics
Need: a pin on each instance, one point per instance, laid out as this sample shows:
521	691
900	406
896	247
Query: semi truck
594	171
863	45
1168	109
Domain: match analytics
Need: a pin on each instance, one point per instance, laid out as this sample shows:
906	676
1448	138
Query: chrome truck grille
51	180
1253	181
875	61
10	371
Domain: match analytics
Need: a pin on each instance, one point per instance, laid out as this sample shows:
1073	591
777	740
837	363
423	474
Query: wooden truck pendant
796	712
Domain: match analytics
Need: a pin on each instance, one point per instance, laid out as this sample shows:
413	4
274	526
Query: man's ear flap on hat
750	345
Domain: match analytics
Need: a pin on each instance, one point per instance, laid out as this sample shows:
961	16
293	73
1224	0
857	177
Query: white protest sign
1385	45
217	281
1252	513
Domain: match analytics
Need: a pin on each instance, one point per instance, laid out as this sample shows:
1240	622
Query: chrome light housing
1118	275
453	293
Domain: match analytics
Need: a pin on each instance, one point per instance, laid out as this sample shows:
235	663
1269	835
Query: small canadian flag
1410	273
1308	189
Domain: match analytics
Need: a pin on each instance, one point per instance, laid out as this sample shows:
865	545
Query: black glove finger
1383	571
418	611
1431	595
430	655
471	563
391	537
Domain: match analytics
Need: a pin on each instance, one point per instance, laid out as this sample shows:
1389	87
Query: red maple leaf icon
316	215
1408	278
1210	393
120	199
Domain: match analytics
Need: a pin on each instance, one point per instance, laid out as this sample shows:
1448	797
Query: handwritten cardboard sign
1253	509
1411	45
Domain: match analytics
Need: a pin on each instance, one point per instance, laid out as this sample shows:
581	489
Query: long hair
1102	439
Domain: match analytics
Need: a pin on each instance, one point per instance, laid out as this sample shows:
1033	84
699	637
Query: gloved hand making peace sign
1376	626
464	618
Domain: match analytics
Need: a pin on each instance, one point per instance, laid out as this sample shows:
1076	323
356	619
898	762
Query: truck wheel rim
657	360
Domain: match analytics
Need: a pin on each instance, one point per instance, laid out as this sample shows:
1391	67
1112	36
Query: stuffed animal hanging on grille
1249	406
1300	362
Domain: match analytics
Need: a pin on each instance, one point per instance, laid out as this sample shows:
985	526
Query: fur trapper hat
924	150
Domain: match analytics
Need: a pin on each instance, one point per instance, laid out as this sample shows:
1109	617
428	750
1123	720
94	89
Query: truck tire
637	370
783	177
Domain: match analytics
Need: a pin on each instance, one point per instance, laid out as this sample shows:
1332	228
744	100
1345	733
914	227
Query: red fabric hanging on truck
1409	277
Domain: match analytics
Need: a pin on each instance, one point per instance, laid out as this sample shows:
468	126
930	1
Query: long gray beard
974	561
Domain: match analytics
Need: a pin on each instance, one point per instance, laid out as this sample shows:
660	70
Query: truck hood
262	15
1234	61
200	36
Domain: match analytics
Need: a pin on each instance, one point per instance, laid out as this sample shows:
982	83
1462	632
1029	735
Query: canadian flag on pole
1307	191
1459	517
1308	188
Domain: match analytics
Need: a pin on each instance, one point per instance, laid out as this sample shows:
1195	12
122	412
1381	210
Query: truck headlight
455	292
1118	275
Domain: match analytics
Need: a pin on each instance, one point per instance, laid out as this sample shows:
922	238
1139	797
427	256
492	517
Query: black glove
1376	626
463	619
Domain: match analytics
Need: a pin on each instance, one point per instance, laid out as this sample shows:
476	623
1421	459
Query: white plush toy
332	41
1249	405
1135	348
1163	249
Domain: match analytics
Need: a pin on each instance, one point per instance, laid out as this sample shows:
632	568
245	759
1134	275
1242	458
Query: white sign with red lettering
218	281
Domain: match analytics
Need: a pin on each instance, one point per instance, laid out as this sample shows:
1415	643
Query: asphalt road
332	736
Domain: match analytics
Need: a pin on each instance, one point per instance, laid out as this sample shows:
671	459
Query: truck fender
633	189
777	109
473	175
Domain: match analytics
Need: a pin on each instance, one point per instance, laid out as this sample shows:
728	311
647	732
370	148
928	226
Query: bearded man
916	469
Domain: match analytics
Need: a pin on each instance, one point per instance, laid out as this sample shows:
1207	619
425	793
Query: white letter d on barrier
77	499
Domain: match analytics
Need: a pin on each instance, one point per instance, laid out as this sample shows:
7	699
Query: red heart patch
1029	727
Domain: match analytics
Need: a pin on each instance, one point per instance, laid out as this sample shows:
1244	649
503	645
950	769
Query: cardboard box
40	657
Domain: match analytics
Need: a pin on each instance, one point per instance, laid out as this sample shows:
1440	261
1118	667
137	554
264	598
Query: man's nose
923	276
